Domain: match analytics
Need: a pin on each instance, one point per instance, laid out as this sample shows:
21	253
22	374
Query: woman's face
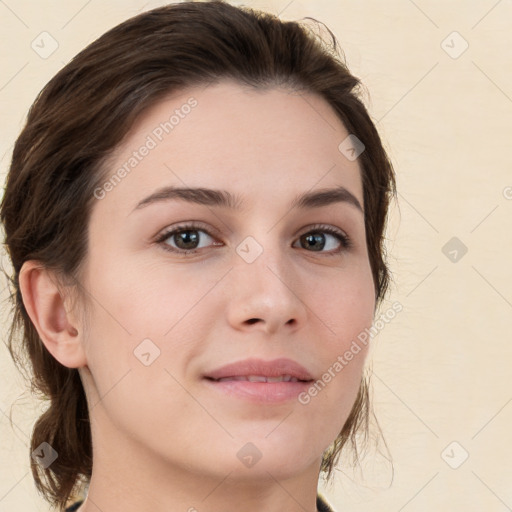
266	280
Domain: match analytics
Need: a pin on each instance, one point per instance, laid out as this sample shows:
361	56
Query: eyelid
185	225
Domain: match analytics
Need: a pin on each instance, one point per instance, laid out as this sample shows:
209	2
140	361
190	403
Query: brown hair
83	114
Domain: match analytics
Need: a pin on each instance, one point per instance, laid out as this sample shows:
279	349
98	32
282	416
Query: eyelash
346	243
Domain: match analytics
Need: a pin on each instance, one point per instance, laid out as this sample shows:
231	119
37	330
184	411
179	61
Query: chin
262	458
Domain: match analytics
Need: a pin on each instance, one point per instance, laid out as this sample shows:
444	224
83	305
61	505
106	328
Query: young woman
195	215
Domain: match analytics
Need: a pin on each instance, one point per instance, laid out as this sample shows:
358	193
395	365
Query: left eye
316	240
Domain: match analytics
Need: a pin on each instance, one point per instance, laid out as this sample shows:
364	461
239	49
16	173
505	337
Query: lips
260	382
260	378
258	370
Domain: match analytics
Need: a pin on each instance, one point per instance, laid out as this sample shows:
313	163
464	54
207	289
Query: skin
163	440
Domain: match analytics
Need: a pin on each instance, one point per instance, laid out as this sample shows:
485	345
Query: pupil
315	241
185	237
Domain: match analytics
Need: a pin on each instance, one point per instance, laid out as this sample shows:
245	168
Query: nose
266	295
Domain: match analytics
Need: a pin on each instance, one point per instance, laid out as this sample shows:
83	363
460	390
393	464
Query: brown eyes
187	238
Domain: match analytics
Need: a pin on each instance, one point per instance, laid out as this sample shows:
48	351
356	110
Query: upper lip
274	368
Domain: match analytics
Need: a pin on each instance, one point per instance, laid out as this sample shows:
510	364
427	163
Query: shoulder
322	505
74	507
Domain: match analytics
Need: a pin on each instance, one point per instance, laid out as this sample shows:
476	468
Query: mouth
259	378
259	381
259	370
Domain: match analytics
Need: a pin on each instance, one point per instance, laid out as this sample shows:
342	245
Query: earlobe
45	305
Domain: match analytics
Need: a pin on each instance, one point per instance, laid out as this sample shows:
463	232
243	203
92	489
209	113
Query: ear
45	305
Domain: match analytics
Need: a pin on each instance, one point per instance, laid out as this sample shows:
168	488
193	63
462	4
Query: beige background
442	367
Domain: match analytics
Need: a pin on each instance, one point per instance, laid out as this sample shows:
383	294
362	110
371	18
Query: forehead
270	143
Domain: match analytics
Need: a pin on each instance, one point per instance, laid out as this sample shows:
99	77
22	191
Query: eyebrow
225	199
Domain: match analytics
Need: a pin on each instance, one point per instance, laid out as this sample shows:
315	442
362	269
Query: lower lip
267	392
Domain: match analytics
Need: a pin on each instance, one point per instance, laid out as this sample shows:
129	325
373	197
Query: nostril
252	320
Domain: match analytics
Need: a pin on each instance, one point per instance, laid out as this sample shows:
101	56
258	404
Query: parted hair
82	115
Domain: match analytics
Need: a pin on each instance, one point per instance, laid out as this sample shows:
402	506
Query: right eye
185	237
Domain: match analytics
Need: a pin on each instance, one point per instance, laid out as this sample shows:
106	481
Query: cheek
345	309
141	299
345	303
140	309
